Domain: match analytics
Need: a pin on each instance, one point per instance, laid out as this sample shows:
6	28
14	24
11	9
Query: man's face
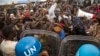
44	53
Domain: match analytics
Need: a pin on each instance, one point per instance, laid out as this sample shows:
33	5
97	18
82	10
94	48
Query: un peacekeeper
95	29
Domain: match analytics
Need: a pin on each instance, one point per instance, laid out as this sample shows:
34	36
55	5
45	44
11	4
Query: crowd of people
60	18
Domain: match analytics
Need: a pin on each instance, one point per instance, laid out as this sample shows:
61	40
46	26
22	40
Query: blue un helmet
88	50
28	46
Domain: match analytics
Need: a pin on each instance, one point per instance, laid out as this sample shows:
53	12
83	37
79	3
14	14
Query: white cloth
64	16
12	15
51	14
82	13
8	47
51	18
31	10
59	18
52	8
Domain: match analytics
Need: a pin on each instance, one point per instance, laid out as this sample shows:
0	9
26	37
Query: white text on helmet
30	51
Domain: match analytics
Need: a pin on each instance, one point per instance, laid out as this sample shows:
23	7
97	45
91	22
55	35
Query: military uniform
95	31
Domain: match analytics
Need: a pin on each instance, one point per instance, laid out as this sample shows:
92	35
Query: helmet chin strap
2	37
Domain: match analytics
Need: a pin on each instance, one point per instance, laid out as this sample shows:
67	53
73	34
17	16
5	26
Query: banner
82	13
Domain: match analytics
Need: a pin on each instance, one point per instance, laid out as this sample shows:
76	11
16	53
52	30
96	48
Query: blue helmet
88	50
28	46
62	34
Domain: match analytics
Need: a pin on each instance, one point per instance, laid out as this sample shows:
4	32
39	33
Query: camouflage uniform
95	31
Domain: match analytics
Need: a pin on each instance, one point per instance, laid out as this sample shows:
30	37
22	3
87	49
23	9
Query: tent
38	0
26	1
7	2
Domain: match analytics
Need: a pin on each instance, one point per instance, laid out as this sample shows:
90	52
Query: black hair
1	25
7	30
98	18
